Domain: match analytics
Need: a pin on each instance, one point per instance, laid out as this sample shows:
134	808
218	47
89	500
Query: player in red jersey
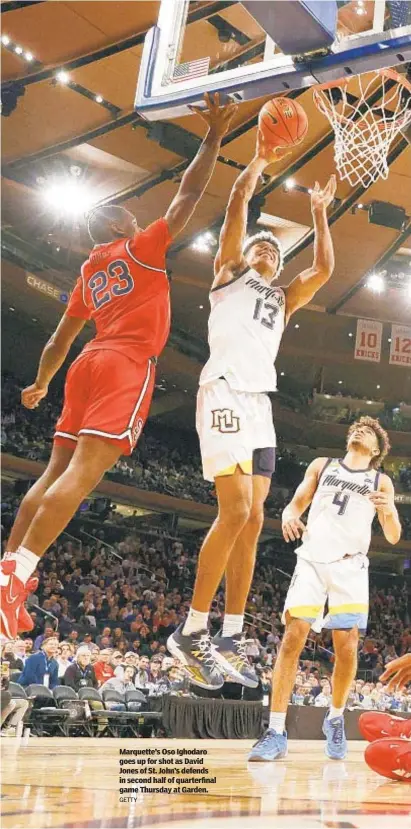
124	289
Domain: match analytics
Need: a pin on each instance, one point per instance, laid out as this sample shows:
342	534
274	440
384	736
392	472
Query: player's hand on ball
269	153
292	527
31	396
321	199
398	672
383	502
218	118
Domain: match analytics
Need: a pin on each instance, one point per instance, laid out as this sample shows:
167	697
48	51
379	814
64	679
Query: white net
364	131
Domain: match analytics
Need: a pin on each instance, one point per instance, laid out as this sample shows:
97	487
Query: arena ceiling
89	126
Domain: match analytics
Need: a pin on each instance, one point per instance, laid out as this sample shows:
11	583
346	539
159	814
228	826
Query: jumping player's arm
387	512
305	286
56	349
229	257
398	672
198	174
292	526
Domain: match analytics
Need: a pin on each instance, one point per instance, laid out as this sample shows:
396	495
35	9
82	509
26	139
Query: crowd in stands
118	598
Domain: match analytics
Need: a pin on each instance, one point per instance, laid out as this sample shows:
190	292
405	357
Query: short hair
100	223
82	650
47	639
266	236
384	445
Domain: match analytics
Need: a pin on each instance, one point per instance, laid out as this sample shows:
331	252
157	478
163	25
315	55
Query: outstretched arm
387	512
304	494
198	174
304	287
398	672
229	257
53	355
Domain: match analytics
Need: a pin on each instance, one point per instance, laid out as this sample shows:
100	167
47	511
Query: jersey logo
225	420
136	431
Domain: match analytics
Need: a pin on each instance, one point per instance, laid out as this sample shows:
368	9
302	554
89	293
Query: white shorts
344	583
231	425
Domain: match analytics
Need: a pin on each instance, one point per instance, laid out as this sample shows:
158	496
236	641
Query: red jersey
124	288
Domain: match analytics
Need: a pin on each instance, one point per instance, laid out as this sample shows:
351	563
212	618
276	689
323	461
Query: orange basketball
283	122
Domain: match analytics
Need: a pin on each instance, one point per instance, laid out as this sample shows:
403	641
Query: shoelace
206	649
266	738
241	651
337	736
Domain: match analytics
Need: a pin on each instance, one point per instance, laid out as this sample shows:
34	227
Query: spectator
42	668
64	657
102	668
80	674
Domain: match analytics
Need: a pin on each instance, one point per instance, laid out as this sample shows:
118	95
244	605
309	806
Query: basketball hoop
364	132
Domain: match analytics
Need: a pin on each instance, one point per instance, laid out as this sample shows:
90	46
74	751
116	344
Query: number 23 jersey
124	289
341	514
245	327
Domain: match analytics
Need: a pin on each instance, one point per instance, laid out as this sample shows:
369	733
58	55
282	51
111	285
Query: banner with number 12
400	349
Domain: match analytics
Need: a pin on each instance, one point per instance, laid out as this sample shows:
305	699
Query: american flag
191	69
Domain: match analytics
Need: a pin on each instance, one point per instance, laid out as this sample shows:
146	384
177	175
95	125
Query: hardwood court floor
75	783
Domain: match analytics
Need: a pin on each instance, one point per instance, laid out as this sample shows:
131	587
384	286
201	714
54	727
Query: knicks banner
368	341
400	349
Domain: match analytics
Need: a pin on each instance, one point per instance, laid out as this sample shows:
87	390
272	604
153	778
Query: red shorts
106	395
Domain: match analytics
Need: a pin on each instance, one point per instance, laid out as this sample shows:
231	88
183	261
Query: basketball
283	122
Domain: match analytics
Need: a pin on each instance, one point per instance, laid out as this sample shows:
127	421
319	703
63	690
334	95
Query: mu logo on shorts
225	420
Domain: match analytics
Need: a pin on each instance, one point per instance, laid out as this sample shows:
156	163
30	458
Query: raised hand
218	118
321	199
269	153
31	396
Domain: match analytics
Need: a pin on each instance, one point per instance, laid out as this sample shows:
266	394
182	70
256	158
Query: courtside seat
46	719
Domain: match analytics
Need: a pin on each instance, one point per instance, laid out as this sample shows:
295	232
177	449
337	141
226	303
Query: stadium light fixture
289	184
5	40
99	99
68	197
376	283
28	57
18	50
63	77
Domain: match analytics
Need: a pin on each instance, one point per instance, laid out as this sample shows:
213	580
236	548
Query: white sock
26	563
277	722
195	621
335	712
233	623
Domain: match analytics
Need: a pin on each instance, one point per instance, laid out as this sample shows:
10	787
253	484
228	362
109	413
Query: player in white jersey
234	417
332	564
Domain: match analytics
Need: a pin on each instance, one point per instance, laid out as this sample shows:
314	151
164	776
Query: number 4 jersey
341	514
245	327
124	289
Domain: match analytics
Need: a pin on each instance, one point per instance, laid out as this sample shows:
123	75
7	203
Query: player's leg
59	460
230	642
305	599
192	644
348	610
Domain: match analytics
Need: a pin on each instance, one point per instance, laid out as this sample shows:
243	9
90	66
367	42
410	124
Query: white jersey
245	327
341	514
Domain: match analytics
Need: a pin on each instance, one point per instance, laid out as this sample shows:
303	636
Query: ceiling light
201	307
378	387
376	283
289	184
282	374
310	190
63	77
5	40
360	206
340	382
99	99
28	56
69	197
389	339
11	309
350	334
18	50
201	244
296	326
33	319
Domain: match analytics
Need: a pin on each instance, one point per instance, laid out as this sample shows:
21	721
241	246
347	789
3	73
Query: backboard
183	56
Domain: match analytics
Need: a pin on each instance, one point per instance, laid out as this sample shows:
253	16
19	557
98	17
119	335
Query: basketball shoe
24	621
336	747
375	725
231	656
271	746
196	653
13	596
391	758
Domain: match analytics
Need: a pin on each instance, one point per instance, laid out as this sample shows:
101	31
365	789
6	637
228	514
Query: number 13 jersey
341	514
245	327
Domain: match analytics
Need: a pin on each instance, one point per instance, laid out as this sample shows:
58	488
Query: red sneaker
390	758
374	725
13	595
24	621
